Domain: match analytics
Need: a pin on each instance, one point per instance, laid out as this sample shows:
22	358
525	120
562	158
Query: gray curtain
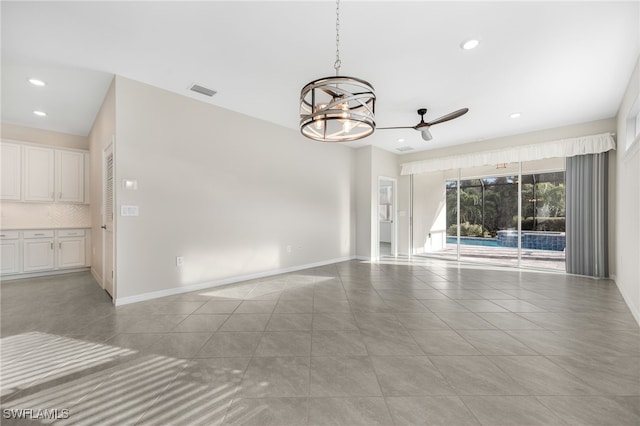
586	212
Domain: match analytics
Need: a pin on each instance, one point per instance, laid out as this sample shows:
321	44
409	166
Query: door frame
394	215
109	150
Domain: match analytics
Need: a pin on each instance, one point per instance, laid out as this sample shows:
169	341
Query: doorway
386	217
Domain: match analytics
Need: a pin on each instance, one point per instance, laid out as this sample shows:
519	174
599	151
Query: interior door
107	223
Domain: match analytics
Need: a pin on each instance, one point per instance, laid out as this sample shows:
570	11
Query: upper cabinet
42	174
38	174
69	177
11	171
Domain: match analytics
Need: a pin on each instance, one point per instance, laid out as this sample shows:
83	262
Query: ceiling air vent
202	90
405	148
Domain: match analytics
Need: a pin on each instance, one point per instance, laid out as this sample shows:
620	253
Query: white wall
226	191
365	203
429	220
404	215
628	199
45	137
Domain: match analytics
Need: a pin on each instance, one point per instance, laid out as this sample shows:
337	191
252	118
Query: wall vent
202	90
405	148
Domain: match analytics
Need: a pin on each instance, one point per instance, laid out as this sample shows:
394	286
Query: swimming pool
474	241
553	241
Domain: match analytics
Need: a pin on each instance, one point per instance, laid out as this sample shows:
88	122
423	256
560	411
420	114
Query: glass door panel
543	220
488	220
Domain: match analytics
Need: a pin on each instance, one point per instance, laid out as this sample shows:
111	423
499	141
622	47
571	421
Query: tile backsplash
15	215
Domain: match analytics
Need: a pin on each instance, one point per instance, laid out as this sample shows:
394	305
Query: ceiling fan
423	126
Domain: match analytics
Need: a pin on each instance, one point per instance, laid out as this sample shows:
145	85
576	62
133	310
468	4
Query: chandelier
337	109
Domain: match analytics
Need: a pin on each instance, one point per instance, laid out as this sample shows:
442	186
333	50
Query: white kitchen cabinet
38	174
71	248
10	252
43	251
11	172
43	174
69	176
38	251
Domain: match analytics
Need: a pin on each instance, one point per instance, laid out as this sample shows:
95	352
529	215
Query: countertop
38	228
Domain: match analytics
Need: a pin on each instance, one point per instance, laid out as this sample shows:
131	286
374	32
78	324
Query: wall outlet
179	261
288	249
129	211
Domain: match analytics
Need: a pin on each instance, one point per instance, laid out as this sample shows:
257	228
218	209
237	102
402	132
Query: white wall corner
635	310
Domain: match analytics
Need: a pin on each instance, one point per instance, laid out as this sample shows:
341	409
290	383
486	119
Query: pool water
474	241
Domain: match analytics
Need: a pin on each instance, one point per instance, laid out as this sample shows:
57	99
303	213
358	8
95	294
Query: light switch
129	211
130	184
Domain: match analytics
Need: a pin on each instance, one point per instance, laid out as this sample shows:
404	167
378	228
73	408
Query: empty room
320	213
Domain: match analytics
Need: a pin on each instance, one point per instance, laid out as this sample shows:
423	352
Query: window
633	125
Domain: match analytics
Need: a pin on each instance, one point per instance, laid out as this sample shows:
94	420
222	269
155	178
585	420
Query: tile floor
394	343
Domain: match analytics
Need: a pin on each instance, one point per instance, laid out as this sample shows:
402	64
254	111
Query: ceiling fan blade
450	116
426	134
388	128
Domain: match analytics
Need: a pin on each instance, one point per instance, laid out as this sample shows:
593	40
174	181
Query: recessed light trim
515	115
40	113
37	82
469	44
400	140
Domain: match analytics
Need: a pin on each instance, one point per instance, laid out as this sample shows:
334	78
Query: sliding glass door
509	214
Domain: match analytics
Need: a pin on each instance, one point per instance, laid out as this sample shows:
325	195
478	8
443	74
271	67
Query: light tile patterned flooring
399	342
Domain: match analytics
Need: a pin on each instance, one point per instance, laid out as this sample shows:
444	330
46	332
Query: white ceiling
558	63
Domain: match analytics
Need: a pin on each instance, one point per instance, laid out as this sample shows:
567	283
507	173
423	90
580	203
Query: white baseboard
97	277
42	274
632	306
209	284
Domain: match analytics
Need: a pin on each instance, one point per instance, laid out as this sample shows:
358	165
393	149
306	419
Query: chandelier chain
337	64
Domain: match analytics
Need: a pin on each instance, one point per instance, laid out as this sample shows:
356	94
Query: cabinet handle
2	235
60	195
38	235
51	246
60	246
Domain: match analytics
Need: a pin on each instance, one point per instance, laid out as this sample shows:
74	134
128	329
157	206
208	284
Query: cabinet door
10	172
38	174
69	176
38	255
9	257
71	252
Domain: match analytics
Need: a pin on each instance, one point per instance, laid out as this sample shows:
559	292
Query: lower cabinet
10	253
37	248
71	249
39	251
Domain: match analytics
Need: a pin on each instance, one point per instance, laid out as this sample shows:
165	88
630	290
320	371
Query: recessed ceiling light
400	140
469	44
40	113
514	115
37	82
